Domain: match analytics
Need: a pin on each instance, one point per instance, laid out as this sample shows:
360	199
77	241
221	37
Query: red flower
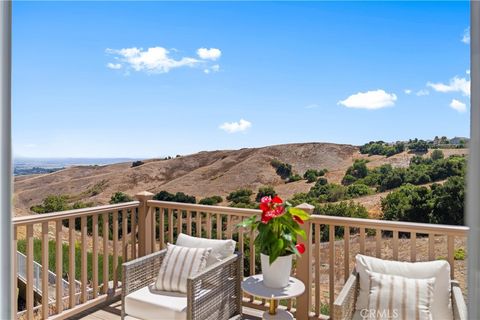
300	247
271	208
266	200
298	219
277	199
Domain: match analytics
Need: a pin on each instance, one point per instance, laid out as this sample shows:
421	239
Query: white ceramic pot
277	274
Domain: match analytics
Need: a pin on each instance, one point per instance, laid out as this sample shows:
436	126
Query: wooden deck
112	311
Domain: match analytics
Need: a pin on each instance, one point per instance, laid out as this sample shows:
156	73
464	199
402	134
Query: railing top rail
391	225
322	219
203	208
77	213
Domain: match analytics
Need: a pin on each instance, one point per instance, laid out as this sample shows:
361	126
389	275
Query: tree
240	196
120	197
358	170
284	170
437	155
266	191
211	201
137	163
449	201
52	203
408	203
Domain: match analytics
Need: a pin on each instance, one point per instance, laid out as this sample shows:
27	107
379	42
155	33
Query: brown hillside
201	174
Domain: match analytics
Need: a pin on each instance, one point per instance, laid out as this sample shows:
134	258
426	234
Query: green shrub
266	191
120	197
211	201
240	196
137	163
37	256
459	254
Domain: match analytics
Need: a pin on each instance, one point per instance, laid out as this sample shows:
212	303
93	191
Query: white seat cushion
221	249
395	297
148	303
440	270
179	264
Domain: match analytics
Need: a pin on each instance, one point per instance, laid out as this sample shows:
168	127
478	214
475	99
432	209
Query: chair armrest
344	305
215	293
458	303
141	272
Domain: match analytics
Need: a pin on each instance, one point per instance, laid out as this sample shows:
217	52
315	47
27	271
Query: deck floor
112	311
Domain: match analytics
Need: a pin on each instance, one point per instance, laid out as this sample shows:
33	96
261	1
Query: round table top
254	285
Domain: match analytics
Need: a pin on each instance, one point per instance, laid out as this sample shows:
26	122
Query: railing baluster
170	225
124	235
316	254
331	262
209	225
431	246
219	226
154	227
83	222
451	254
58	266
189	222
71	262
44	270
161	227
346	252
198	223
29	284
95	255
179	221
395	245
133	231
252	255
413	246
115	250
105	235
362	240
229	226
378	245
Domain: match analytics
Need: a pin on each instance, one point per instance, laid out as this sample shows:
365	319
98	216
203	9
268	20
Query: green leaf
300	213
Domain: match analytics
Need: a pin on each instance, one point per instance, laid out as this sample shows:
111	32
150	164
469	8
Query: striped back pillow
179	264
395	297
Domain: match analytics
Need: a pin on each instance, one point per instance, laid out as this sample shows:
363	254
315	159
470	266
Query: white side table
254	285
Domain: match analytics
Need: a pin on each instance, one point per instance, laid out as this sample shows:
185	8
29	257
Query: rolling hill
202	174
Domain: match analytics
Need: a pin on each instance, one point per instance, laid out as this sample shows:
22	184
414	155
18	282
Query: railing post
304	268
145	225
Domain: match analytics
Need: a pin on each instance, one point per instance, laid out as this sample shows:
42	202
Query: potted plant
278	228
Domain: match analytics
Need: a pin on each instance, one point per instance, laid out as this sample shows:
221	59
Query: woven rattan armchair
214	294
344	305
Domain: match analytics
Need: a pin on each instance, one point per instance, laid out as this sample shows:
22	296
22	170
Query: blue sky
122	79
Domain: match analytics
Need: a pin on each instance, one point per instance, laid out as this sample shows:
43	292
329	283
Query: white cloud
468	71
214	68
456	84
209	54
233	127
151	60
407	91
422	92
312	106
114	66
371	100
458	105
466	36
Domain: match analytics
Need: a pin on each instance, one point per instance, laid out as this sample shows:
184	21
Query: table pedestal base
280	315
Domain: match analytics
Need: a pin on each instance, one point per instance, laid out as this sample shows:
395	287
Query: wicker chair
215	293
344	305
